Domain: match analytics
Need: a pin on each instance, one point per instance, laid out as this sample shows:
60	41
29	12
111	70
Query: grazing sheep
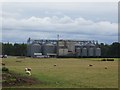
55	64
105	67
29	69
26	69
28	72
90	65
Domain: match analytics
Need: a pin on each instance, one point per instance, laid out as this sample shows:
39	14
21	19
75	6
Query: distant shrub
5	69
103	60
110	59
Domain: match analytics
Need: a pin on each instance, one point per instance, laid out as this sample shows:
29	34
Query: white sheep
55	64
27	70
105	67
90	65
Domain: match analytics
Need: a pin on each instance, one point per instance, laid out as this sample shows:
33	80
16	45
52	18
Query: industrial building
62	48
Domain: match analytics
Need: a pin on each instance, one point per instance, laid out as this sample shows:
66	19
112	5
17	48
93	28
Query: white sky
71	20
59	0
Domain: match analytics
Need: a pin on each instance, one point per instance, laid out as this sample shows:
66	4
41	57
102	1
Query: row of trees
21	49
112	50
14	49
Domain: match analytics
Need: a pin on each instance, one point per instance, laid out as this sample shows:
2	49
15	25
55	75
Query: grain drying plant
62	48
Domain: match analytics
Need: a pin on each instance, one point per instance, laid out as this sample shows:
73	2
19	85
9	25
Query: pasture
67	72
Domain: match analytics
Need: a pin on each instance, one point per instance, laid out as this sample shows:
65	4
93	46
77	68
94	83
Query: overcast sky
71	20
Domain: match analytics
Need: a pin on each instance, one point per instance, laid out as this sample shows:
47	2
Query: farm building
62	48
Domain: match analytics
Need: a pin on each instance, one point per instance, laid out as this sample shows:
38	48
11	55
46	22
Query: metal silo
91	51
78	51
71	46
63	52
35	48
84	51
49	49
98	52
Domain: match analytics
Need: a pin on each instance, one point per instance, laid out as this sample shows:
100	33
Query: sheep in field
28	71
105	67
90	65
55	64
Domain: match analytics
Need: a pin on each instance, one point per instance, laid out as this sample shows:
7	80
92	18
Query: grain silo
84	52
63	52
97	52
91	51
35	48
90	47
71	47
78	51
49	49
67	48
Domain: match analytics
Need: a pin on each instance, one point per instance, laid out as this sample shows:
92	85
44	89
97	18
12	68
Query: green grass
69	72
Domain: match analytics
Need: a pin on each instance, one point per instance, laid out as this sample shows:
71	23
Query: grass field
68	72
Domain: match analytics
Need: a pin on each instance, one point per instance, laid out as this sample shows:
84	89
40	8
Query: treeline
16	49
112	50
